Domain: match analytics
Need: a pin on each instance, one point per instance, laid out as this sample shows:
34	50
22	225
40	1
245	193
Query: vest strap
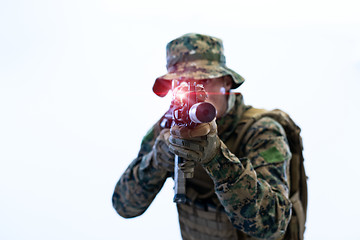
299	211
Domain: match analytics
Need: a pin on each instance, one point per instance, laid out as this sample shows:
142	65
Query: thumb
204	129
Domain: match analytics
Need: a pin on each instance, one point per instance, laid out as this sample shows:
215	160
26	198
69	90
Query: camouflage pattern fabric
253	189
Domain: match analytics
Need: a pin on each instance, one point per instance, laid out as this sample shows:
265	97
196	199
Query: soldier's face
217	90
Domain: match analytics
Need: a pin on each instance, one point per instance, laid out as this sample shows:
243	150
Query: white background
76	99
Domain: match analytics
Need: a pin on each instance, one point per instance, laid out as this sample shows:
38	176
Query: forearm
138	186
252	204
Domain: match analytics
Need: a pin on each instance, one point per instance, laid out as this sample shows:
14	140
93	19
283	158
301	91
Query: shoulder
266	143
265	126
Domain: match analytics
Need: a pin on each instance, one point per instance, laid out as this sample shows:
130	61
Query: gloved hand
200	144
162	157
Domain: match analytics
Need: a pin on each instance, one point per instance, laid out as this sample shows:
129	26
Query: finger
204	129
179	131
201	130
213	126
164	148
184	153
188	133
164	131
187	166
195	144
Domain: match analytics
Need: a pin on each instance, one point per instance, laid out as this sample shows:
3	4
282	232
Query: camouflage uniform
248	182
252	189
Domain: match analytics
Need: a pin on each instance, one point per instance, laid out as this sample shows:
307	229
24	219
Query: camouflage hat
194	56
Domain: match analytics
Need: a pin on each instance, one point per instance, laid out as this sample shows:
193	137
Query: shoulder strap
298	178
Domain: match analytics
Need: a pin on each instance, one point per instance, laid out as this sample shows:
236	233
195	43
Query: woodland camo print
253	188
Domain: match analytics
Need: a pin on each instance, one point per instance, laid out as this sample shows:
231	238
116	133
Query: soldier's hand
163	158
199	144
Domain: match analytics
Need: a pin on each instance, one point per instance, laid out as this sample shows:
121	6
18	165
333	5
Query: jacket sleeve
254	190
140	182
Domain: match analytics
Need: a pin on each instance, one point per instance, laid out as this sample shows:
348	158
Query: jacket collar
227	124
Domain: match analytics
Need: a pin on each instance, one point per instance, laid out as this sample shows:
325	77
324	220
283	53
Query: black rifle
188	109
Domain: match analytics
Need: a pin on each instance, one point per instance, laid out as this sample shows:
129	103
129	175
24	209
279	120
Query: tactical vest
204	217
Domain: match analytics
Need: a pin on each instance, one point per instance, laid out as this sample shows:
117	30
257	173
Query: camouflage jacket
252	186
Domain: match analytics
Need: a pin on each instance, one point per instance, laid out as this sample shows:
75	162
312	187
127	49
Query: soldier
240	188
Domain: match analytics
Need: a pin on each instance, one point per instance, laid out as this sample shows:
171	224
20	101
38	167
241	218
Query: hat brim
195	70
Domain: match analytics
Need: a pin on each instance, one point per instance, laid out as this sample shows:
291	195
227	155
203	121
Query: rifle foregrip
179	178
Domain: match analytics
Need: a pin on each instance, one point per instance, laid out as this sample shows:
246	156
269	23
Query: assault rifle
188	109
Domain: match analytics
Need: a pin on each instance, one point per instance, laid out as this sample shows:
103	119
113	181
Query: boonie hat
194	56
